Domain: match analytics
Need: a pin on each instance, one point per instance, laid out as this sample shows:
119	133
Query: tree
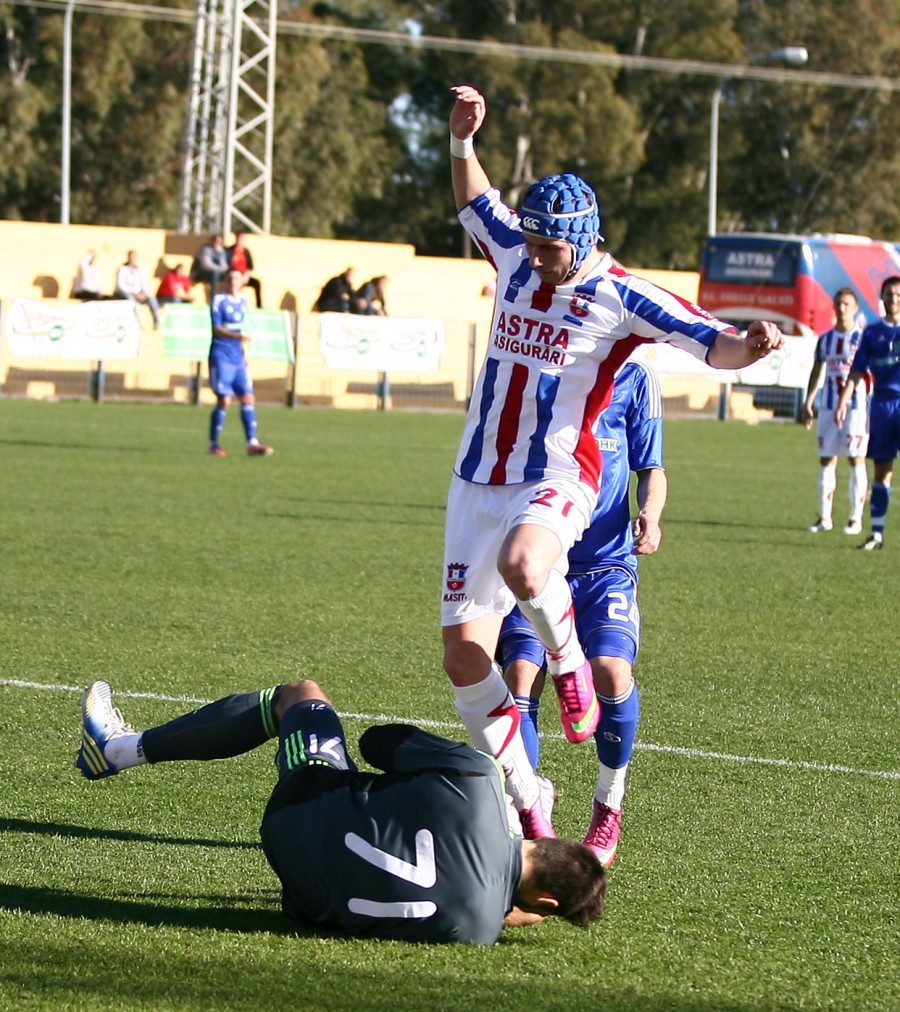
361	128
816	159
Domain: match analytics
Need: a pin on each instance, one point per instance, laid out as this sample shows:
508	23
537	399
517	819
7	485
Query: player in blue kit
229	374
429	850
603	577
879	354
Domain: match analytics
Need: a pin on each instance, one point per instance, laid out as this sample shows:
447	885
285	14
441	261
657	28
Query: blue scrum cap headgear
563	206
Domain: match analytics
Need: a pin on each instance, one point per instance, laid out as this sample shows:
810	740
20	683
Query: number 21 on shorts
550	498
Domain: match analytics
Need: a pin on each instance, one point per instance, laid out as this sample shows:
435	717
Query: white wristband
461	149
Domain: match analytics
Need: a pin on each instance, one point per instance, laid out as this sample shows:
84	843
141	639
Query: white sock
827	485
611	786
490	715
552	614
125	751
859	486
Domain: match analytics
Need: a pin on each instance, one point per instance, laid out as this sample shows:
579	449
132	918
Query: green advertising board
186	332
270	333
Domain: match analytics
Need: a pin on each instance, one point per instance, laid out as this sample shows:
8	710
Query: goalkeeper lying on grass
430	850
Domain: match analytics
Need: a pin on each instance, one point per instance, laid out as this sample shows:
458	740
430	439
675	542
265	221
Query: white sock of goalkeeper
125	751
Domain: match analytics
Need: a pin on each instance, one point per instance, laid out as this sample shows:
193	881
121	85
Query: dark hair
845	291
892	280
573	875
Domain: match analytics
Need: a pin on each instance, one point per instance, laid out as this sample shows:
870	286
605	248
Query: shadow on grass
101	447
435	519
217	913
87	832
405	977
368	503
319	518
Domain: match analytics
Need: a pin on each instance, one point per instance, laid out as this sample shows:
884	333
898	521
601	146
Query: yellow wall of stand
41	259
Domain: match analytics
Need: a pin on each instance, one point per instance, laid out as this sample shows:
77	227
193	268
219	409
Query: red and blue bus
792	279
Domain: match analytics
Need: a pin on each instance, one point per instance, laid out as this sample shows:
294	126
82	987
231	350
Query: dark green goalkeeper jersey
422	852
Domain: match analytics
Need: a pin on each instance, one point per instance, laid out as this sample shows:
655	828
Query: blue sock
248	420
528	707
216	423
617	729
881	499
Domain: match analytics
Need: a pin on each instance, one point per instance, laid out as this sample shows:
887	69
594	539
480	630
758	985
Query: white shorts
478	519
851	439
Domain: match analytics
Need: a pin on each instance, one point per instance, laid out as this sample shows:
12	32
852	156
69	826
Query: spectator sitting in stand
131	283
88	284
175	286
337	295
210	264
370	297
240	258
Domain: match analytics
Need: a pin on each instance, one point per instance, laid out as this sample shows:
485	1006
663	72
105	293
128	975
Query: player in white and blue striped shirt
566	316
834	355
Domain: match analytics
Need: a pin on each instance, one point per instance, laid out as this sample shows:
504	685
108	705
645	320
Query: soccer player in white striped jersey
566	316
834	355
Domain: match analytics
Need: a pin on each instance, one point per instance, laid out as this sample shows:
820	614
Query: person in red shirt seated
175	286
241	259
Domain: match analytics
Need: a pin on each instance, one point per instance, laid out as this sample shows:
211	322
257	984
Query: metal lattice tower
226	182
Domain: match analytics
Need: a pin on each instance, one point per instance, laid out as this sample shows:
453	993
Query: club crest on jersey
578	307
456	576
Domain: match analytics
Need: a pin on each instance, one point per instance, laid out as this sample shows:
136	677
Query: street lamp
66	114
795	55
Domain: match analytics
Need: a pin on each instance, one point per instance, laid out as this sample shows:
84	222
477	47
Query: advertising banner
381	343
98	331
788	367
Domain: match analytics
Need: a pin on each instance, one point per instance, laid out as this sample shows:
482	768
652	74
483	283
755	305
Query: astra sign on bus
792	279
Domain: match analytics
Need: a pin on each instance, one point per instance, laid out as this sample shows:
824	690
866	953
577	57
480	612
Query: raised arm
403	748
731	351
469	178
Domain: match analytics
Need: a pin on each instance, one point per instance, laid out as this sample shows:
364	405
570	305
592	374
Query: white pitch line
688	753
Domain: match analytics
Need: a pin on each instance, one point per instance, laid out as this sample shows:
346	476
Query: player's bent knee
298	692
524	577
612	675
466	664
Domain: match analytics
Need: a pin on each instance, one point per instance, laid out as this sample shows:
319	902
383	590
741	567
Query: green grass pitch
758	868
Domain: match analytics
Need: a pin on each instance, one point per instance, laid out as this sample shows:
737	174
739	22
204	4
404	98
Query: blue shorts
519	642
607	616
310	734
884	428
607	619
229	379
